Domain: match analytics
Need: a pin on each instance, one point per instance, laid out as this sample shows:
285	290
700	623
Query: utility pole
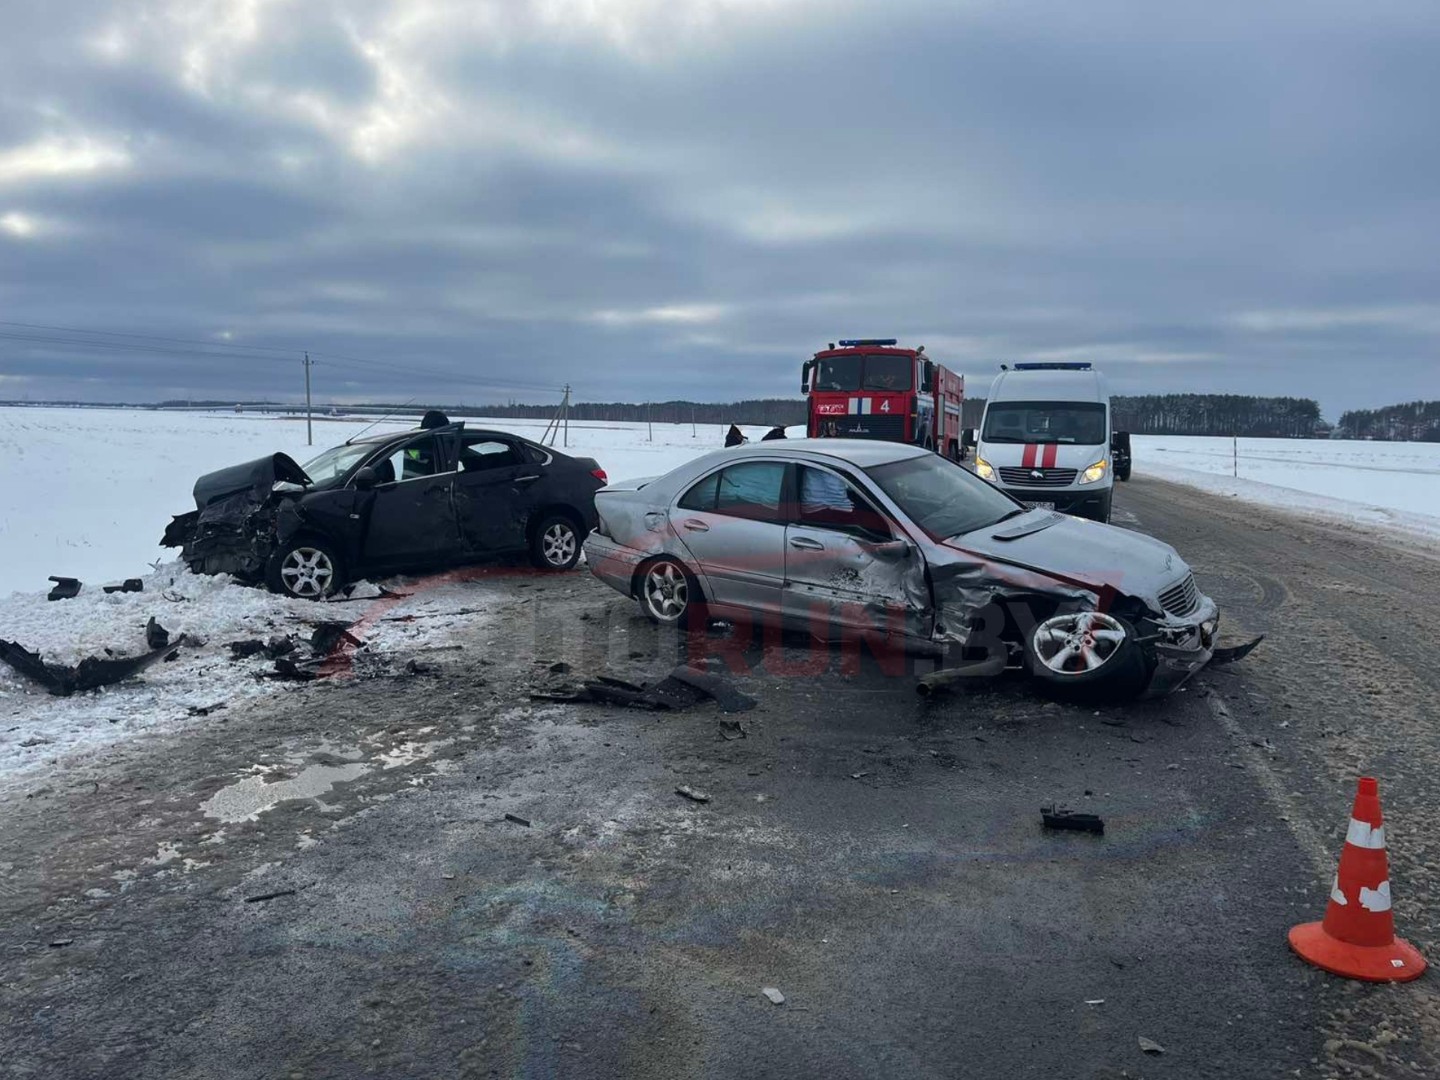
693	432
309	429
649	420
567	415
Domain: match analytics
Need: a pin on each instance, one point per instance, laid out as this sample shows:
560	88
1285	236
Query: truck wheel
306	568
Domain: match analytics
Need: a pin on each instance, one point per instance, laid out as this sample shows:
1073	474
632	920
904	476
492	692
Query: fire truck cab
869	389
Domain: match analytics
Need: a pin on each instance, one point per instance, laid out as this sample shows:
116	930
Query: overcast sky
685	198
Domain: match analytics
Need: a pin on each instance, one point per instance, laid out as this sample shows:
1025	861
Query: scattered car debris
205	710
276	647
1057	817
1094	1001
133	584
774	994
518	820
329	634
1232	653
731	730
65	588
773	433
683	688
735	437
91	673
945	678
690	793
859	775
269	896
1150	1046
60	943
156	636
560	667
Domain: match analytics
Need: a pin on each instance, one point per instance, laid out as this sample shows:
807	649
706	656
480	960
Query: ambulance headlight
983	469
1094	472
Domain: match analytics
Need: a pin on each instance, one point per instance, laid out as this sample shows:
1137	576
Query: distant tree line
1216	414
1417	421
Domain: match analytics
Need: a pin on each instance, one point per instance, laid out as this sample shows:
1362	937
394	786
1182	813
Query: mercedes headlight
1094	472
983	469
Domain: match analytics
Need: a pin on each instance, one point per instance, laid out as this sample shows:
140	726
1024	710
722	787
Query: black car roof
454	428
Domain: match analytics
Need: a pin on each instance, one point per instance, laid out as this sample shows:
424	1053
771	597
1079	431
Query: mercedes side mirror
365	479
967	437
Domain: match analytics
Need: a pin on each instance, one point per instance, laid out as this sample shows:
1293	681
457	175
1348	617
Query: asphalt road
876	858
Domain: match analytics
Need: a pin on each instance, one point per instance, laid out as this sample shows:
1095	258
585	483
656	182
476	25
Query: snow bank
1393	486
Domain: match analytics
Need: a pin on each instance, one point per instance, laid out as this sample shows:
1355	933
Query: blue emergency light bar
856	342
1055	366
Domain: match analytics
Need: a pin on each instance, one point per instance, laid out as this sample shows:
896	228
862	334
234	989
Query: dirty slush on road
492	863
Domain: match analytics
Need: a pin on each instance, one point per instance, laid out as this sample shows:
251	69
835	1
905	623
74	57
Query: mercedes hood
1080	552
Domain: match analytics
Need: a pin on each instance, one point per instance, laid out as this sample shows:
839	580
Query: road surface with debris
438	873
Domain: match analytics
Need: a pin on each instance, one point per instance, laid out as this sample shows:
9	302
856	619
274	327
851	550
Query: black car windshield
941	497
335	463
1081	422
874	372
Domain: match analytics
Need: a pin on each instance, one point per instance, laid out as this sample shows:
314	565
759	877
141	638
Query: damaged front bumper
1179	647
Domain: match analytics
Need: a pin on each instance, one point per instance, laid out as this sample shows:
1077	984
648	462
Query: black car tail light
599	474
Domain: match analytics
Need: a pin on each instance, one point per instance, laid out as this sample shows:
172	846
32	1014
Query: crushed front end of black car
242	513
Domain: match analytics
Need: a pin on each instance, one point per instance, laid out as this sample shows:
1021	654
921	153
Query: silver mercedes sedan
893	544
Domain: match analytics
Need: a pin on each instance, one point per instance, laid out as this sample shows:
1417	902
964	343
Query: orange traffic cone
1357	938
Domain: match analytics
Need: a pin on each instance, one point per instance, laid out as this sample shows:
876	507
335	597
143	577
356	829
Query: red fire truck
869	389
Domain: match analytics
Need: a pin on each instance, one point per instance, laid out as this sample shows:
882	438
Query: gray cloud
655	199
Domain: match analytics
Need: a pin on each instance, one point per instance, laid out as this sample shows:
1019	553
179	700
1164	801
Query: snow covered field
1395	486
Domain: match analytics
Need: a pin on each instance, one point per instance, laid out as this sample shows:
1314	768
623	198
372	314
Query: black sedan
410	501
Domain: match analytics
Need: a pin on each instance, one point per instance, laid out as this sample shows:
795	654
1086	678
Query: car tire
305	568
669	594
1087	653
1122	472
555	543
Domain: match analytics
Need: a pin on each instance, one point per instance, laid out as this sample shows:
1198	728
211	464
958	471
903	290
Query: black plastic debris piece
205	710
327	635
269	896
734	437
278	646
731	730
1236	652
518	820
156	636
1057	817
65	588
684	688
93	672
773	433
133	584
690	793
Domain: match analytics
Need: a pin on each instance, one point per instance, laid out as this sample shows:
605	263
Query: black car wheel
669	594
555	544
306	568
1089	650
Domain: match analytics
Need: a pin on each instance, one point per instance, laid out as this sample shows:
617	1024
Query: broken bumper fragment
1181	647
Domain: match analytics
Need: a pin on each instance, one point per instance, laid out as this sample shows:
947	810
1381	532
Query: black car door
495	492
411	520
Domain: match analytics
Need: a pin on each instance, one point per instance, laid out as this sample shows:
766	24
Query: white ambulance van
1046	438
